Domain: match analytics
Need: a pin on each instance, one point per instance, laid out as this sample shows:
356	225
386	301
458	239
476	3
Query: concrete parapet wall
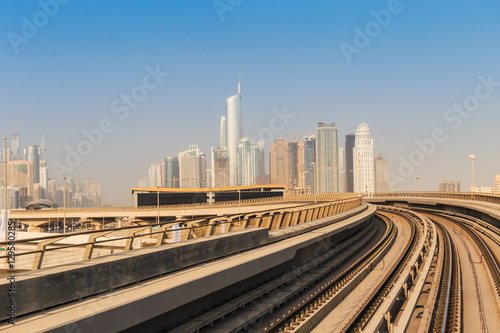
44	288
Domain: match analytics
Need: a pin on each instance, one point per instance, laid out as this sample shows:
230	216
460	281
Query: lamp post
5	184
472	157
158	204
416	181
64	206
316	189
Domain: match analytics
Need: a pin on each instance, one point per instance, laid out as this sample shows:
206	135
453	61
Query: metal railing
169	232
473	196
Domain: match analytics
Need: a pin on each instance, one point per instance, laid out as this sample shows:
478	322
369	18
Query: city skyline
414	84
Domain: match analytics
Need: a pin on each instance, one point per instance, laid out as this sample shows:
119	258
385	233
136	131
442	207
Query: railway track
283	289
326	292
359	321
448	308
491	261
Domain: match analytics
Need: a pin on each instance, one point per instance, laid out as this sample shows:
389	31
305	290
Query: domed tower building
364	160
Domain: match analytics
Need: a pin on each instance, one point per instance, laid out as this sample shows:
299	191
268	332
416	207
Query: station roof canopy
212	189
40	204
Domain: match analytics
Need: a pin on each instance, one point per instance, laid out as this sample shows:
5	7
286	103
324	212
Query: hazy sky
407	68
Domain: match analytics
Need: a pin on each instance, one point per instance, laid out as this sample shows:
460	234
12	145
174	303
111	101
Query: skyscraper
248	162
220	168
309	160
327	157
32	154
294	165
364	161
234	133
43	151
155	175
223	133
170	171
15	149
381	174
349	162
189	168
44	174
203	169
342	169
278	162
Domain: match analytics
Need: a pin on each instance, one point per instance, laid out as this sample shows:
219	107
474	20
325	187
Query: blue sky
64	78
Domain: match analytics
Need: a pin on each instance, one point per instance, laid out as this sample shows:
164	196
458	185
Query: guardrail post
37	262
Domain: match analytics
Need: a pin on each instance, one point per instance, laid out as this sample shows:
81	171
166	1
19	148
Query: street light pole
5	184
416	181
64	206
158	204
472	157
315	181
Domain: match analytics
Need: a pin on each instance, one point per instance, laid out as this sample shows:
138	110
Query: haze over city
426	80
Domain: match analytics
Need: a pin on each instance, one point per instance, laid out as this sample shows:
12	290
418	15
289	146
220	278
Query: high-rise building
327	157
203	170
278	162
309	160
294	164
248	162
52	189
342	170
234	133
44	176
13	197
43	151
32	154
20	174
364	161
170	172
381	174
223	133
15	149
155	175
262	161
449	186
189	168
350	140
44	173
220	168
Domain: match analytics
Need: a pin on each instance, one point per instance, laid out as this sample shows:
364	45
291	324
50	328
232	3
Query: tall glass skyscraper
223	133
309	159
327	157
155	175
248	162
349	161
189	168
32	154
170	170
44	175
234	133
15	149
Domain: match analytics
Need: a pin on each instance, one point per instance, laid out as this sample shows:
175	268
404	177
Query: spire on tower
239	85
